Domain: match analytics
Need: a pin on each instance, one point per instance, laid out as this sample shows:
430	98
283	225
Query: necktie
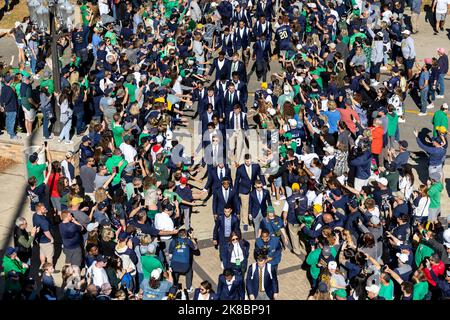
261	279
234	66
226	195
263	45
259	197
220	174
231	98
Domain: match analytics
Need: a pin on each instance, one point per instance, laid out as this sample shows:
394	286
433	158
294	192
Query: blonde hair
100	195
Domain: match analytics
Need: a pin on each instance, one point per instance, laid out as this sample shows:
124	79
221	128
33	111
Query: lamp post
55	16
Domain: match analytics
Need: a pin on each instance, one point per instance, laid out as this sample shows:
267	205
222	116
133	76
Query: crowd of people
352	209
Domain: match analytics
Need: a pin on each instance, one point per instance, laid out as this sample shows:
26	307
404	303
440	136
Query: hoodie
12	265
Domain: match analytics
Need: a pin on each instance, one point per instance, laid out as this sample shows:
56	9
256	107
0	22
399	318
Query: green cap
340	293
270	209
165	82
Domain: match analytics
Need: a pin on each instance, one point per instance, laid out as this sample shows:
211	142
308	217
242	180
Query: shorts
409	63
440	16
73	256
47	250
21	45
376	68
278	182
30	115
433	214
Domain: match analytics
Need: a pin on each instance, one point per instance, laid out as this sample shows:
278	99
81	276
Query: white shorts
30	115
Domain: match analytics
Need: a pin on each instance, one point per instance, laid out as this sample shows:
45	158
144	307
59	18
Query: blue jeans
423	100
11	123
441	84
33	64
45	125
80	122
65	132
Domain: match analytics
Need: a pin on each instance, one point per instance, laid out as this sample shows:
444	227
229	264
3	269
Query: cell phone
116	169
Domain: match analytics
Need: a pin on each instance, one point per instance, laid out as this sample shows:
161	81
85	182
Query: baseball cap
295	186
329	149
292	122
373	288
402	257
270	209
102	205
441	50
159	139
403	143
336	192
326	251
10	250
123	236
156	273
91	226
382	181
322	287
183	180
446	235
445	105
76	200
101	258
33	157
85	139
341	293
129	168
8	78
332	265
406	32
317	208
447	273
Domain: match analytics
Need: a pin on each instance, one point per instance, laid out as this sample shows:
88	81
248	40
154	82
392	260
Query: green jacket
114	162
12	265
313	259
439	120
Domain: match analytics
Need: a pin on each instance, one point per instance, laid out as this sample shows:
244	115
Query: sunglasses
258	187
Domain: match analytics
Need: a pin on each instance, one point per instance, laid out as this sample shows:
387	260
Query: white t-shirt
129	152
442	6
164	222
99	276
103	7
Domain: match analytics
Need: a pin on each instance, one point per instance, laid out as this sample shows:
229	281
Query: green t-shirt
420	290
150	263
421	253
392	124
84	14
25	103
131	91
142	135
37	171
117	132
171	195
161	172
387	292
440	119
434	192
114	162
49	85
357	35
313	259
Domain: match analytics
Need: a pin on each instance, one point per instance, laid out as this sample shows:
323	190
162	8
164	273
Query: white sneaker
400	120
430	106
190	290
68	142
421	114
440	96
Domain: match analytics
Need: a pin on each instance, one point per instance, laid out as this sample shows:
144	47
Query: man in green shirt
116	161
117	130
440	119
386	286
317	259
131	88
161	170
150	262
434	192
37	170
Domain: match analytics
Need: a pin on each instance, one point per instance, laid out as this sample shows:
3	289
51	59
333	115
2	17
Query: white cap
402	257
298	46
329	149
446	235
312	5
292	122
373	288
406	32
445	105
332	265
91	226
156	273
383	181
159	139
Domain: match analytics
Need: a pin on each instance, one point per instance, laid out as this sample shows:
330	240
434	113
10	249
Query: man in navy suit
238	67
259	203
236	123
242	37
206	117
246	176
262	26
212	99
225	225
230	286
225	9
226	42
262	281
231	98
241	87
215	176
261	55
221	66
223	197
264	9
241	14
199	95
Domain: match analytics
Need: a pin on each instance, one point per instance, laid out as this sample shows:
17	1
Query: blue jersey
297	136
283	35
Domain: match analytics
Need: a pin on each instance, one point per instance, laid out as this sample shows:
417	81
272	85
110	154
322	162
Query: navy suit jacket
260	52
219	202
204	119
254	206
243	15
227	106
219	228
267	12
213	179
258	30
270	281
241	72
241	42
237	291
212	296
243	183
245	246
230	121
225	68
